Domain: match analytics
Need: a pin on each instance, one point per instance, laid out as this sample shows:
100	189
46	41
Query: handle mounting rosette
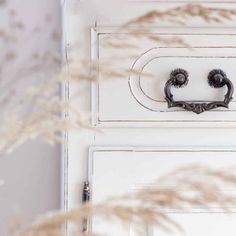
216	78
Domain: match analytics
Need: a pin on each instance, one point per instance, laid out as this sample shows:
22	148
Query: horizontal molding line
176	1
168	121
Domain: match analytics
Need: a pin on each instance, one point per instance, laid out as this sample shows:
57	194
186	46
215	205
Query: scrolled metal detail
216	79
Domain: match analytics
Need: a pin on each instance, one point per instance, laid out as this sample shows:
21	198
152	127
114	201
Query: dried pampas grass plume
150	205
182	14
42	111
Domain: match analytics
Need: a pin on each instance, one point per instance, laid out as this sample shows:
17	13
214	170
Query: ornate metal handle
216	78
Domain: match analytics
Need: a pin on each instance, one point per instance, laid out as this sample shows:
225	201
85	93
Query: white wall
32	172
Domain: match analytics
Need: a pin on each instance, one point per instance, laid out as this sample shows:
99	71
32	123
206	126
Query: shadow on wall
32	172
31	187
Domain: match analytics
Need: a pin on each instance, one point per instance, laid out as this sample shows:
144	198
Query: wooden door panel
139	100
118	171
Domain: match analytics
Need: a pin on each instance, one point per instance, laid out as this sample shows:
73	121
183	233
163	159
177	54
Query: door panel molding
135	103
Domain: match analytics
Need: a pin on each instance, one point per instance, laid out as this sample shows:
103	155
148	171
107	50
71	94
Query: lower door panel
121	170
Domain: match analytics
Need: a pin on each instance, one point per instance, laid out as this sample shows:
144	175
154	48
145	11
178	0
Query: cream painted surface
144	97
130	169
119	133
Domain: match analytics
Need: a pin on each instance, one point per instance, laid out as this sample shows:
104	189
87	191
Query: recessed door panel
132	92
118	171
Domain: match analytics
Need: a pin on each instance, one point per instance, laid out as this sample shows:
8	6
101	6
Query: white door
137	129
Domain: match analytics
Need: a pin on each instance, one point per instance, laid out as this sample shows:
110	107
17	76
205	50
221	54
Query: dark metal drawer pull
216	78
